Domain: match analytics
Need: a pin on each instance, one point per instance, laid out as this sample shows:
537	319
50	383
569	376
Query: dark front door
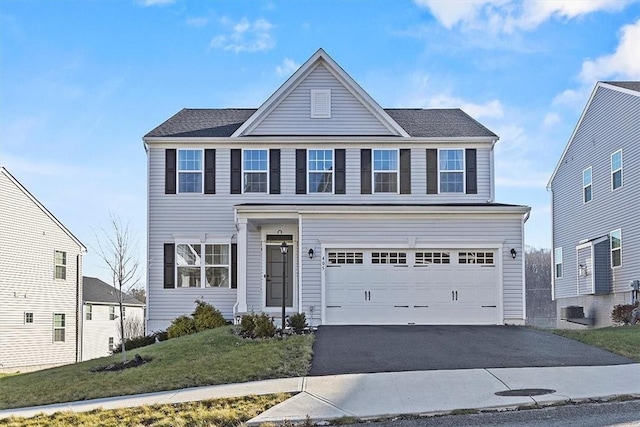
274	277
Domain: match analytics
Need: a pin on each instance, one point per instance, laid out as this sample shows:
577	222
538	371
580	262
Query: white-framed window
190	174
385	171
320	171
195	271
616	170
451	170
476	257
616	247
433	257
124	312
255	167
345	257
58	327
60	261
111	344
388	258
557	260
586	185
89	312
320	103
28	317
112	312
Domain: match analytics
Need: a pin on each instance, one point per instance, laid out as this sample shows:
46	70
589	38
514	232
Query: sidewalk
393	393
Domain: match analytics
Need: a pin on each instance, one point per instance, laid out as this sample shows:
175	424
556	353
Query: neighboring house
595	193
101	314
40	283
388	214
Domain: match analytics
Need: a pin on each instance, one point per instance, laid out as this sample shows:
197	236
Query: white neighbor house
101	314
40	283
389	214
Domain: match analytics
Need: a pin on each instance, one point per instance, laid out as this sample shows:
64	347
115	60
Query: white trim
323	96
201	171
584	187
241	261
332	171
300	255
618	249
203	243
619	169
266	171
555	274
373	171
292	255
464	171
337	141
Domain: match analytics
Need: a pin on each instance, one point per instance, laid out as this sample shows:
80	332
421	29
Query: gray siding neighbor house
388	214
595	192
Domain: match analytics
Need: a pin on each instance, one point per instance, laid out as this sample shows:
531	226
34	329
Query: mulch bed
119	366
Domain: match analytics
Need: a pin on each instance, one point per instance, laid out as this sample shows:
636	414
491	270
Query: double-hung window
586	185
58	327
320	171
89	312
385	171
616	248
616	170
195	271
557	259
190	171
451	164
61	265
112	312
28	317
255	167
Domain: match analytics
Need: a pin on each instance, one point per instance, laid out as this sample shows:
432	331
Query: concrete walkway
394	393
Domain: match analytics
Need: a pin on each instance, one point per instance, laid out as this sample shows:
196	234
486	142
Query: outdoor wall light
310	253
513	253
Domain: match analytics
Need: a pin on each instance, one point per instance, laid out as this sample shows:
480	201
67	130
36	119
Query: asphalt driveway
366	349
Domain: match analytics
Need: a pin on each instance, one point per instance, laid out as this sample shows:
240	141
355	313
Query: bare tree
133	328
139	293
116	247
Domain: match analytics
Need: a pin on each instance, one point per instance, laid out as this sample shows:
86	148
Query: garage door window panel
385	171
396	258
345	257
439	257
479	257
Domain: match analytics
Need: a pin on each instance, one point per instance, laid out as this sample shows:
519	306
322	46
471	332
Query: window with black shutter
170	171
210	171
301	171
365	171
169	265
236	171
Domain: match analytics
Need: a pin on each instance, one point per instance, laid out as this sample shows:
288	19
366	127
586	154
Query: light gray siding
611	122
29	238
293	115
97	331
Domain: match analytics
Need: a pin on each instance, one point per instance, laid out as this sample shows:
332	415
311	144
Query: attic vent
320	103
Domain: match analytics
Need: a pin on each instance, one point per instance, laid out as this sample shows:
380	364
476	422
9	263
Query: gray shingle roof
434	123
627	85
95	290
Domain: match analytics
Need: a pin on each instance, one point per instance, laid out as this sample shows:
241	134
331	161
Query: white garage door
411	287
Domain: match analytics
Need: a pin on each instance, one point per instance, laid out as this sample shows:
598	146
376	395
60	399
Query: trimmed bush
138	342
183	325
248	326
264	326
205	316
621	314
298	322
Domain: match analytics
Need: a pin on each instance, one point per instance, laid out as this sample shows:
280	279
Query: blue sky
82	81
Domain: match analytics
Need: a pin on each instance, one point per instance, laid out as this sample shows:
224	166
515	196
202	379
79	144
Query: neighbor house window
320	171
111	344
124	312
451	171
89	313
28	318
586	185
190	171
616	248
616	170
385	171
194	271
255	167
557	259
61	265
58	327
112	312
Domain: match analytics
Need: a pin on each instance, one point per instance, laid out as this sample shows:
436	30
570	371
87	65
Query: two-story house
595	193
388	214
40	283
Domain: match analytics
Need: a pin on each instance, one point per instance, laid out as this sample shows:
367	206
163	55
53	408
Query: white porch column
242	265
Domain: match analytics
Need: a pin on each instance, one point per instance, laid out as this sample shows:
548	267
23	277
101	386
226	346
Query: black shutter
471	171
170	171
365	171
301	171
432	171
210	171
169	265
274	171
405	171
341	171
234	266
236	171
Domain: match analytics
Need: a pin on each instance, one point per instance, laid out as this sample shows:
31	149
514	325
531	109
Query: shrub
138	342
621	313
205	316
183	325
264	327
298	322
248	326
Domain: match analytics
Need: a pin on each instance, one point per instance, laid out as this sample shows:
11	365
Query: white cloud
510	15
551	119
288	67
147	3
490	109
245	36
199	21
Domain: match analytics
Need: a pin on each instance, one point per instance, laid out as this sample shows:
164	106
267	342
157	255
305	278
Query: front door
274	277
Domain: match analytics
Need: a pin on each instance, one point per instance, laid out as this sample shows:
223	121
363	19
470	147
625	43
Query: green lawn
211	357
623	340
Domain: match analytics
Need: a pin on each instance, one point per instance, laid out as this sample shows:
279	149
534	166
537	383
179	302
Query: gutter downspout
524	270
